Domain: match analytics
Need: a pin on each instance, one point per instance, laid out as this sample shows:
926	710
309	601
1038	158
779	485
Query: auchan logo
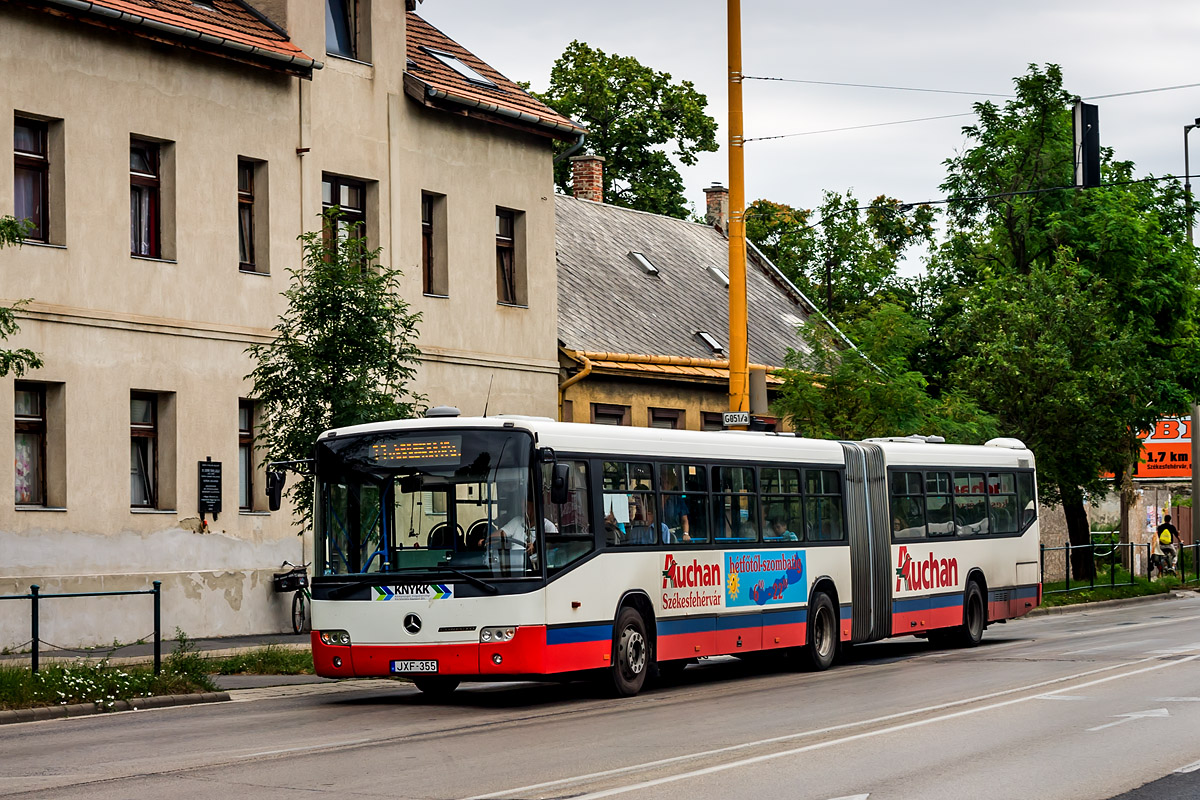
689	576
930	572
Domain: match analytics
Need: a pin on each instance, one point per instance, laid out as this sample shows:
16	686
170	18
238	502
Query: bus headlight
502	633
341	638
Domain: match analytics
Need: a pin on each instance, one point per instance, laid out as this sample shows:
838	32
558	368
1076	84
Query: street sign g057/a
735	418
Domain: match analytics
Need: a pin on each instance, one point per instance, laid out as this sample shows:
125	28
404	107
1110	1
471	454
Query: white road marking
852	797
522	790
1195	765
1105	647
1136	626
1187	648
1177	700
322	746
1061	697
1154	713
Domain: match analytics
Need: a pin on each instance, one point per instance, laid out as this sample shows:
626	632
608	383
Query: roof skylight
720	277
643	262
712	343
461	68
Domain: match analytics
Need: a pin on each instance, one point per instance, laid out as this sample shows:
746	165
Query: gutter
572	150
523	116
574	379
302	62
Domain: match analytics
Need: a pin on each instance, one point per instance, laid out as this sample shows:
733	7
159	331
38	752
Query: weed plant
270	660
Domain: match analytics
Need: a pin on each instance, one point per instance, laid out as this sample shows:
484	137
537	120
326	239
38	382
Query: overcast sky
1103	46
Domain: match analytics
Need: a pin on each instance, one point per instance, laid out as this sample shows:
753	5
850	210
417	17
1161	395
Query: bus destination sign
442	450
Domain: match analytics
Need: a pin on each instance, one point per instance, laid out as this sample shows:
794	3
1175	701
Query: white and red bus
452	548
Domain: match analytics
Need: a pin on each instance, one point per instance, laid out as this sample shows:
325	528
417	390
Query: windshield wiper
360	580
478	583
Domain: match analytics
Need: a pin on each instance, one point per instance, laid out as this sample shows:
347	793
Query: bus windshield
453	500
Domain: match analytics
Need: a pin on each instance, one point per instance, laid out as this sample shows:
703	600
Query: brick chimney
587	178
716	206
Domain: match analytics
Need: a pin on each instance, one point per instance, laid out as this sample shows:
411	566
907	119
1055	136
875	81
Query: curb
88	709
51	656
1124	601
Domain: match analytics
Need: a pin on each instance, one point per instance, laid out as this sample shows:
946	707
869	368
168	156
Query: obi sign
1167	450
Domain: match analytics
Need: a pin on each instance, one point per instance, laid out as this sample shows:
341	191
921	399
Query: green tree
343	354
1070	314
834	391
637	119
842	255
19	361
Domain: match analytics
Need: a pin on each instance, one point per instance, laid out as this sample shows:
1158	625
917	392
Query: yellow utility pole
739	357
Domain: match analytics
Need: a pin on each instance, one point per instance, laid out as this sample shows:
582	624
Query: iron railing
35	597
1119	557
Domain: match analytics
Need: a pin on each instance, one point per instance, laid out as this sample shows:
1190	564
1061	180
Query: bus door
870	542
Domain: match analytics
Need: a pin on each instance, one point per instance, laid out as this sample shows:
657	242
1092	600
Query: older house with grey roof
643	313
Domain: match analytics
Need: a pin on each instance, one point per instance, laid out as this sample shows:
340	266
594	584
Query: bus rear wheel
439	686
818	652
630	653
970	633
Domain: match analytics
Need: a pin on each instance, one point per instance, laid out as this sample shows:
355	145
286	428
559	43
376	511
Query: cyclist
1168	541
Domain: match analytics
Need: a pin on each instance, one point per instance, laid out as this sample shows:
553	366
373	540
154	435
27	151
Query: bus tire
821	648
970	633
630	653
436	686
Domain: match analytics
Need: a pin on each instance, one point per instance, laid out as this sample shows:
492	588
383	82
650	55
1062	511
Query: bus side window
735	505
823	518
970	503
574	539
629	504
1026	500
1002	502
684	494
939	504
908	505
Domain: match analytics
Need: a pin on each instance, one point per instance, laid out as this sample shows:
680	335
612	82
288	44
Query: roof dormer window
461	68
643	262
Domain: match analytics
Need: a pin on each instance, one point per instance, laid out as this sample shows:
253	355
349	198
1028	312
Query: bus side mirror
558	484
275	483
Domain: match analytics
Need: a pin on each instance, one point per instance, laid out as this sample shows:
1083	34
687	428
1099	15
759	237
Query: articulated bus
452	548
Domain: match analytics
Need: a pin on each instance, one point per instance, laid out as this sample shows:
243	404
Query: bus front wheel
630	653
821	647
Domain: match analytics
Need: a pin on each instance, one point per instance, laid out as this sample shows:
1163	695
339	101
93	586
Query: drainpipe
572	150
577	377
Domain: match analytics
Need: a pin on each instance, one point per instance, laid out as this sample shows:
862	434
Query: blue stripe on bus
791	616
740	621
945	601
579	634
674	627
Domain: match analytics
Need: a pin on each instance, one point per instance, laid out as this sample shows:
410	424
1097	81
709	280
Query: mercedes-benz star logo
412	623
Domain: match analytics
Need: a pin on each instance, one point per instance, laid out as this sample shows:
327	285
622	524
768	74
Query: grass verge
183	672
270	660
1140	587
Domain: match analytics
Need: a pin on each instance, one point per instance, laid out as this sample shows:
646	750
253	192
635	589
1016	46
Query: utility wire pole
739	356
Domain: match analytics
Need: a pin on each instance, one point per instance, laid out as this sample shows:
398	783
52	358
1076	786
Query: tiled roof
230	28
505	100
607	303
712	370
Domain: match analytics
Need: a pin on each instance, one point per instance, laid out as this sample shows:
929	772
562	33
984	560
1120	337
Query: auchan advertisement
1167	450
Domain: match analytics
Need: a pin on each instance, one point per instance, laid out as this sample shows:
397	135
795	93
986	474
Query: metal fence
35	597
1119	557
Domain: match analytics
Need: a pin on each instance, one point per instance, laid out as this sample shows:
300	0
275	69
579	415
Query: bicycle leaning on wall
295	580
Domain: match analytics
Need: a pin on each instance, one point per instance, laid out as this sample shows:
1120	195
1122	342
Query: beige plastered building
144	333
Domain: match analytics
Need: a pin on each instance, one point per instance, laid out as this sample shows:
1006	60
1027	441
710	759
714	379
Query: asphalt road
1086	705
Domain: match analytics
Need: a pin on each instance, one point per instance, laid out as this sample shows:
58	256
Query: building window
434	268
143	450
672	418
31	176
31	444
341	27
145	189
245	173
607	414
350	197
246	455
712	421
506	277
